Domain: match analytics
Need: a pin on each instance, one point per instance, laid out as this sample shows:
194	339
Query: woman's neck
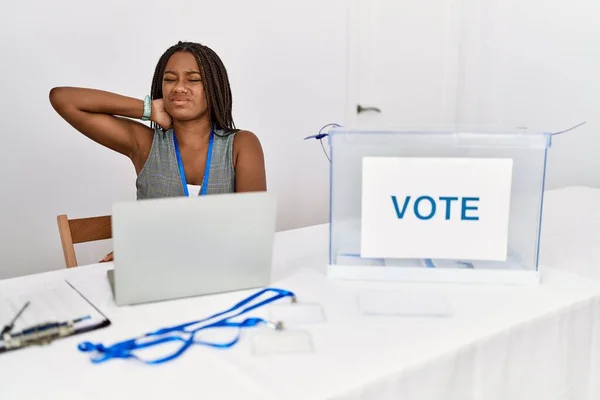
192	134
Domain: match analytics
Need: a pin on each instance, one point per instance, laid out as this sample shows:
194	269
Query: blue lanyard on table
206	168
178	333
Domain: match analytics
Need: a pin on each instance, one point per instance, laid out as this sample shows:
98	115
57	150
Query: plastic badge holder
408	304
297	313
288	340
271	342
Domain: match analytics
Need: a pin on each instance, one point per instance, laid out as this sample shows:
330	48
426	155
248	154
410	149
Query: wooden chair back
80	230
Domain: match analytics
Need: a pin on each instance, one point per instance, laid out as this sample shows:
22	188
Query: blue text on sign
426	207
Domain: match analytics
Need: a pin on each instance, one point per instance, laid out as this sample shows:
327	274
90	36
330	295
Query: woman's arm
249	159
96	114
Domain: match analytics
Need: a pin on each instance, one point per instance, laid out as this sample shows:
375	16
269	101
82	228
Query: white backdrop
503	63
536	64
287	69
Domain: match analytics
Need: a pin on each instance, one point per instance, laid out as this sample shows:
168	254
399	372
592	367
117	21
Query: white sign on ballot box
438	208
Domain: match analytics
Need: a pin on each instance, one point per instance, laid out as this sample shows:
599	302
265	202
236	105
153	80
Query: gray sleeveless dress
160	175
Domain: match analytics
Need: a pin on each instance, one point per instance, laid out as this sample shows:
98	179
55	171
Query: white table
501	342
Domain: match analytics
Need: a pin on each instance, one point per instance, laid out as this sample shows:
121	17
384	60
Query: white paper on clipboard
48	302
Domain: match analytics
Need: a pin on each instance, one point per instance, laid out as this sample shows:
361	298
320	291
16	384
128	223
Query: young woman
192	147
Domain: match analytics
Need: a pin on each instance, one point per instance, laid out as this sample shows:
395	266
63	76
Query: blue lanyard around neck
185	333
206	168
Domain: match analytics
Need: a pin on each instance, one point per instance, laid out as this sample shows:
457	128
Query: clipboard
44	313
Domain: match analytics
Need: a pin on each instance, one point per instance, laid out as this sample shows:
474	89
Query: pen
41	334
9	327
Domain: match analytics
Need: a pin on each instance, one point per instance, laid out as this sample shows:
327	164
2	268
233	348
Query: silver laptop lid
179	247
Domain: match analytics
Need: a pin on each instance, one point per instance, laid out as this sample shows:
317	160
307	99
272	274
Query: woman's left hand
109	257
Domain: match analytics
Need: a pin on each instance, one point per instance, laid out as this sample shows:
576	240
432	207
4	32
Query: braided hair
214	79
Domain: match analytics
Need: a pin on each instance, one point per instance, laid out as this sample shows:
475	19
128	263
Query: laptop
189	246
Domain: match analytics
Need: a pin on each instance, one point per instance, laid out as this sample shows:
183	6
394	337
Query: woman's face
183	91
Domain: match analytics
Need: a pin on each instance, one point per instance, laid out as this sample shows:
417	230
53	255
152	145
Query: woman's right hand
159	115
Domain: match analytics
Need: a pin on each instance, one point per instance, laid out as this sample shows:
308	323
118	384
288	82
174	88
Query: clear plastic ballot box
439	206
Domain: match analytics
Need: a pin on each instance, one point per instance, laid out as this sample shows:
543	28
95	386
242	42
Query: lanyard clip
277	326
